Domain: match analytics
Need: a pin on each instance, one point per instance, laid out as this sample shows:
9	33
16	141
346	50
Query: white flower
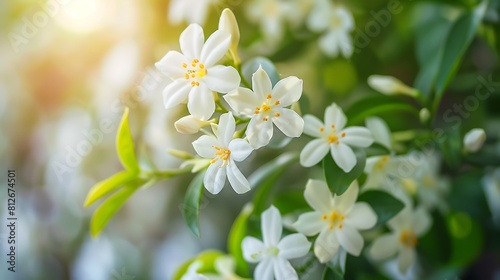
191	11
337	22
389	85
224	151
227	22
406	227
225	266
334	137
337	219
195	73
491	188
189	124
265	105
474	140
273	254
432	188
192	274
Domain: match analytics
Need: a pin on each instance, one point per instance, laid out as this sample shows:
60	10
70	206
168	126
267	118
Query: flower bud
189	125
424	115
474	140
389	85
228	23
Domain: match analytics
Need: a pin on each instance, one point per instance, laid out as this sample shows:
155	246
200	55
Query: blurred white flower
192	272
225	267
337	219
389	85
190	11
491	188
224	151
474	140
273	254
332	136
265	106
195	73
336	22
406	227
431	186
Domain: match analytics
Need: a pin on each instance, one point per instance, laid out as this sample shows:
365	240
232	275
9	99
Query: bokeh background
69	68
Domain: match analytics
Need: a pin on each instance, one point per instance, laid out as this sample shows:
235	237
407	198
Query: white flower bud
389	85
189	125
228	23
424	115
474	140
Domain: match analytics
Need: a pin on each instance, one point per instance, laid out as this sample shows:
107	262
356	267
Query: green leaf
236	235
110	206
106	186
377	149
207	258
191	206
290	201
466	239
451	147
385	205
332	274
376	105
265	177
338	181
125	145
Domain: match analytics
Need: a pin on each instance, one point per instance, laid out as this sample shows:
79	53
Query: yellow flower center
408	239
334	220
429	181
223	154
194	71
382	162
332	138
266	107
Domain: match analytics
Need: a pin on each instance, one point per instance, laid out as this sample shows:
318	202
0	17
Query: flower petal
313	152
226	128
191	41
259	132
384	246
309	223
225	266
326	245
201	102
334	115
344	43
312	126
243	101
318	196
343	156
380	131
222	79
350	239
361	216
253	249
240	149
289	122
287	91
215	47
261	84
405	259
329	43
215	178
236	179
272	226
402	220
204	146
264	270
357	136
345	201
176	93
421	221
283	270
293	246
171	65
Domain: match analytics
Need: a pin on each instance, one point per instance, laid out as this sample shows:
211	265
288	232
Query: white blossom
389	85
337	219
272	254
190	11
491	188
474	140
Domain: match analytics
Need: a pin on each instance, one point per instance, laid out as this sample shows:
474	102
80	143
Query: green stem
243	80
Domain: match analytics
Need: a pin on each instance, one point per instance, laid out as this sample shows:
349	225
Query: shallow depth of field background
62	93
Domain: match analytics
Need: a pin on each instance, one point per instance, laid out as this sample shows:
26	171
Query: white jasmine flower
334	137
195	74
491	188
432	188
337	219
389	85
474	140
406	227
225	266
265	105
192	274
190	11
228	23
223	151
273	253
336	22
190	124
